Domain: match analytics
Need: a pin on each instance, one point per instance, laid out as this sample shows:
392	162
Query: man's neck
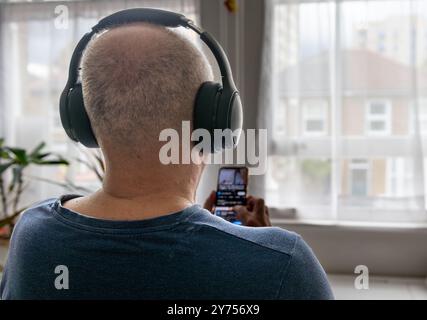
142	194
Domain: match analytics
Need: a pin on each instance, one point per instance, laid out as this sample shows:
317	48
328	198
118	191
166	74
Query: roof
364	73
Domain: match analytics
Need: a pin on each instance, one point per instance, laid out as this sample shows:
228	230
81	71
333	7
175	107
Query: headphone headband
78	126
171	20
154	16
158	17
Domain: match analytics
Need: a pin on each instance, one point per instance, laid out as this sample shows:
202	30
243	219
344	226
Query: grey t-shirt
185	255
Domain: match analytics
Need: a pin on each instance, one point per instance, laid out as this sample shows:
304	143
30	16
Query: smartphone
231	191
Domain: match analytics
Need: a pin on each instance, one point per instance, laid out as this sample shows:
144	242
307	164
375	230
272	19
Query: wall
385	251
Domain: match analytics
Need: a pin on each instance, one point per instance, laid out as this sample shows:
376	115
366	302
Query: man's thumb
241	213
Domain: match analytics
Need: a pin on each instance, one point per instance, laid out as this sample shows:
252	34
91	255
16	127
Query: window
359	181
34	60
354	68
314	118
378	118
381	42
399	177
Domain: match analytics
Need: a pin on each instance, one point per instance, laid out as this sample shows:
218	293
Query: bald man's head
137	80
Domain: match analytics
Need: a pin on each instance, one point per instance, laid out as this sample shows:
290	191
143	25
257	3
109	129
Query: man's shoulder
34	218
40	205
269	238
284	252
28	249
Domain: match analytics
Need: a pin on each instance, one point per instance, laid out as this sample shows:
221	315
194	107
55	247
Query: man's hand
254	214
210	202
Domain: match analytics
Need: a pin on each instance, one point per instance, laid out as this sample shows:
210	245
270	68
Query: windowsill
290	216
386	226
387	248
380	288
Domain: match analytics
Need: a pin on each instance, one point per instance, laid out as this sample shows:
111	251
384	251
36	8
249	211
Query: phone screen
231	191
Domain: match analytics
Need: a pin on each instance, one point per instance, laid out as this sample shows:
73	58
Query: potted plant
13	164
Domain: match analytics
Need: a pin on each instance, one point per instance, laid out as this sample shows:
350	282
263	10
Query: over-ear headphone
216	106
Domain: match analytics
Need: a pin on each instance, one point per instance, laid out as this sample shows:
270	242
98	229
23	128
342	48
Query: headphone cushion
230	117
216	110
235	118
206	105
79	120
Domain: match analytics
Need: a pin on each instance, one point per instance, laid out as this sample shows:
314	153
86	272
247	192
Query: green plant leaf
20	155
42	155
36	156
36	151
51	162
3	151
4	154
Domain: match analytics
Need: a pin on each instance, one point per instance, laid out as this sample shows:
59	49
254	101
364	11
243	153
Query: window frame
401	164
352	166
386	117
305	117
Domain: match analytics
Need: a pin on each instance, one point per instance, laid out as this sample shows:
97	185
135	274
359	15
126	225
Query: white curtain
345	92
35	49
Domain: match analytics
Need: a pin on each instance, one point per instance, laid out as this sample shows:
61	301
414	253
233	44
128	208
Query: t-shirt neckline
79	220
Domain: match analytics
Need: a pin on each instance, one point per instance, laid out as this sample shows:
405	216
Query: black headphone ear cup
206	107
216	110
78	118
64	113
229	118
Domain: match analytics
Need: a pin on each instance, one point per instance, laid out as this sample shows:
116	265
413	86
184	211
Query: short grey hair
139	79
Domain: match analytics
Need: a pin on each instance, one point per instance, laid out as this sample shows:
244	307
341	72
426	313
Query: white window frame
386	117
366	165
401	166
306	116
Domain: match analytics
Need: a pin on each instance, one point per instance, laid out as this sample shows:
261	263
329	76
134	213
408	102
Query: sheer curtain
35	49
345	87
